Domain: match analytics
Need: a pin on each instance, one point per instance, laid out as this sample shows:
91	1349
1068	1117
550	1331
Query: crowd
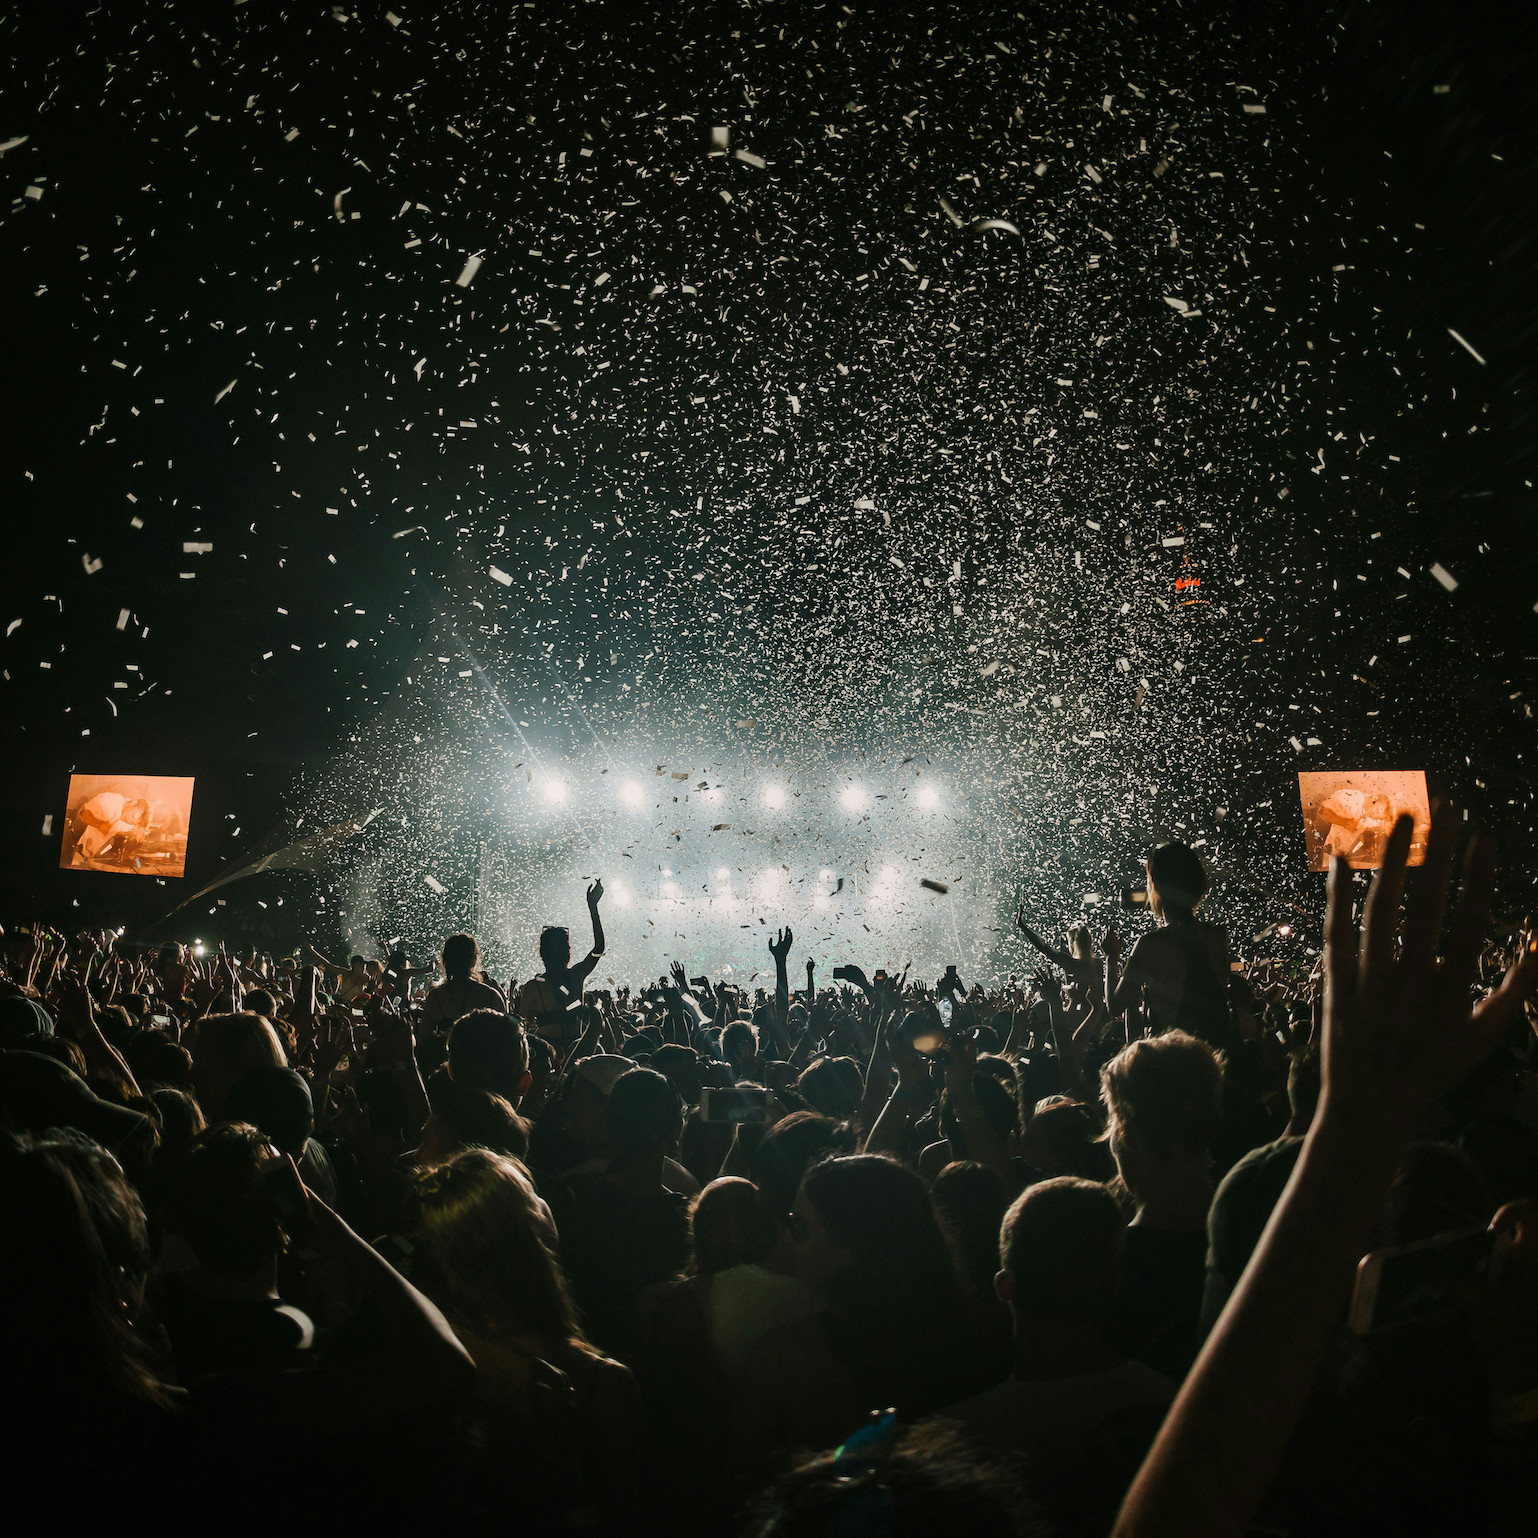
1148	1244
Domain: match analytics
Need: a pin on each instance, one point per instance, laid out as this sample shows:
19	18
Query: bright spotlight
854	798
824	875
723	874
618	893
926	798
554	792
631	793
774	797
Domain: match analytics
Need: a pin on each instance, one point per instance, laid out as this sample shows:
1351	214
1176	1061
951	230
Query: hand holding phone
281	1177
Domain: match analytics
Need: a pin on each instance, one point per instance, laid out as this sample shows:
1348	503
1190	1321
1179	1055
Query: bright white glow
713	796
631	793
620	895
854	798
670	889
926	798
771	883
824	875
723	874
774	797
554	792
667	873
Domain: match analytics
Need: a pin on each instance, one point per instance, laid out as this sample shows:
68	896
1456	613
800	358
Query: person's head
277	1102
969	1202
461	957
555	948
739	1046
833	1086
925	1482
221	1206
71	1290
228	1047
488	1050
731	1226
1162	1096
999	1108
787	1151
866	1238
1063	1138
260	1001
471	1118
584	1104
1177	881
494	1248
180	1123
681	1065
644	1117
358	965
1060	1252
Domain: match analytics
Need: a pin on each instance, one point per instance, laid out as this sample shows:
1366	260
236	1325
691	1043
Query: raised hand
595	893
779	946
1401	1030
680	977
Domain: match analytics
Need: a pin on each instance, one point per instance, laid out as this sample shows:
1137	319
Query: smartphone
947	1008
1134	897
1411	1282
288	1195
733	1105
1235	966
160	1019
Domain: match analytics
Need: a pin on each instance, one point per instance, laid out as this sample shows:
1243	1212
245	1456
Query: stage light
723	875
619	893
713	796
774	797
824	875
854	798
631	793
926	798
1284	930
554	792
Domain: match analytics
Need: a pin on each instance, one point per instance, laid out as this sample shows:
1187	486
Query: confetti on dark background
551	425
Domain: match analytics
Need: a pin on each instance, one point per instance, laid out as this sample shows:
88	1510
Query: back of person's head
461	956
277	1102
61	1048
969	1202
739	1040
494	1248
260	1001
1178	877
555	948
180	1123
788	1150
999	1108
644	1116
227	1048
1063	1138
832	1085
922	1483
731	1226
893	1311
1060	1247
1167	1089
357	961
116	1024
476	1118
681	1066
79	1256
488	1050
220	1203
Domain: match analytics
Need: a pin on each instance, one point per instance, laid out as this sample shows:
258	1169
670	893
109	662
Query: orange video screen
128	824
1352	813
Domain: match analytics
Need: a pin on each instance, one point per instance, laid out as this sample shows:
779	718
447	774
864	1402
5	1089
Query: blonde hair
495	1248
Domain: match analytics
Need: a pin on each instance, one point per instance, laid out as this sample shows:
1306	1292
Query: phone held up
1134	897
288	1195
740	1104
1414	1282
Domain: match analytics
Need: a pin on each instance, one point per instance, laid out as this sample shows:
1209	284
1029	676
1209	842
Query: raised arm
594	897
1398	1032
1056	957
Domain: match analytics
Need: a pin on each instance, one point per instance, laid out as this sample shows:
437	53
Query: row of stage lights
853	798
772	885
